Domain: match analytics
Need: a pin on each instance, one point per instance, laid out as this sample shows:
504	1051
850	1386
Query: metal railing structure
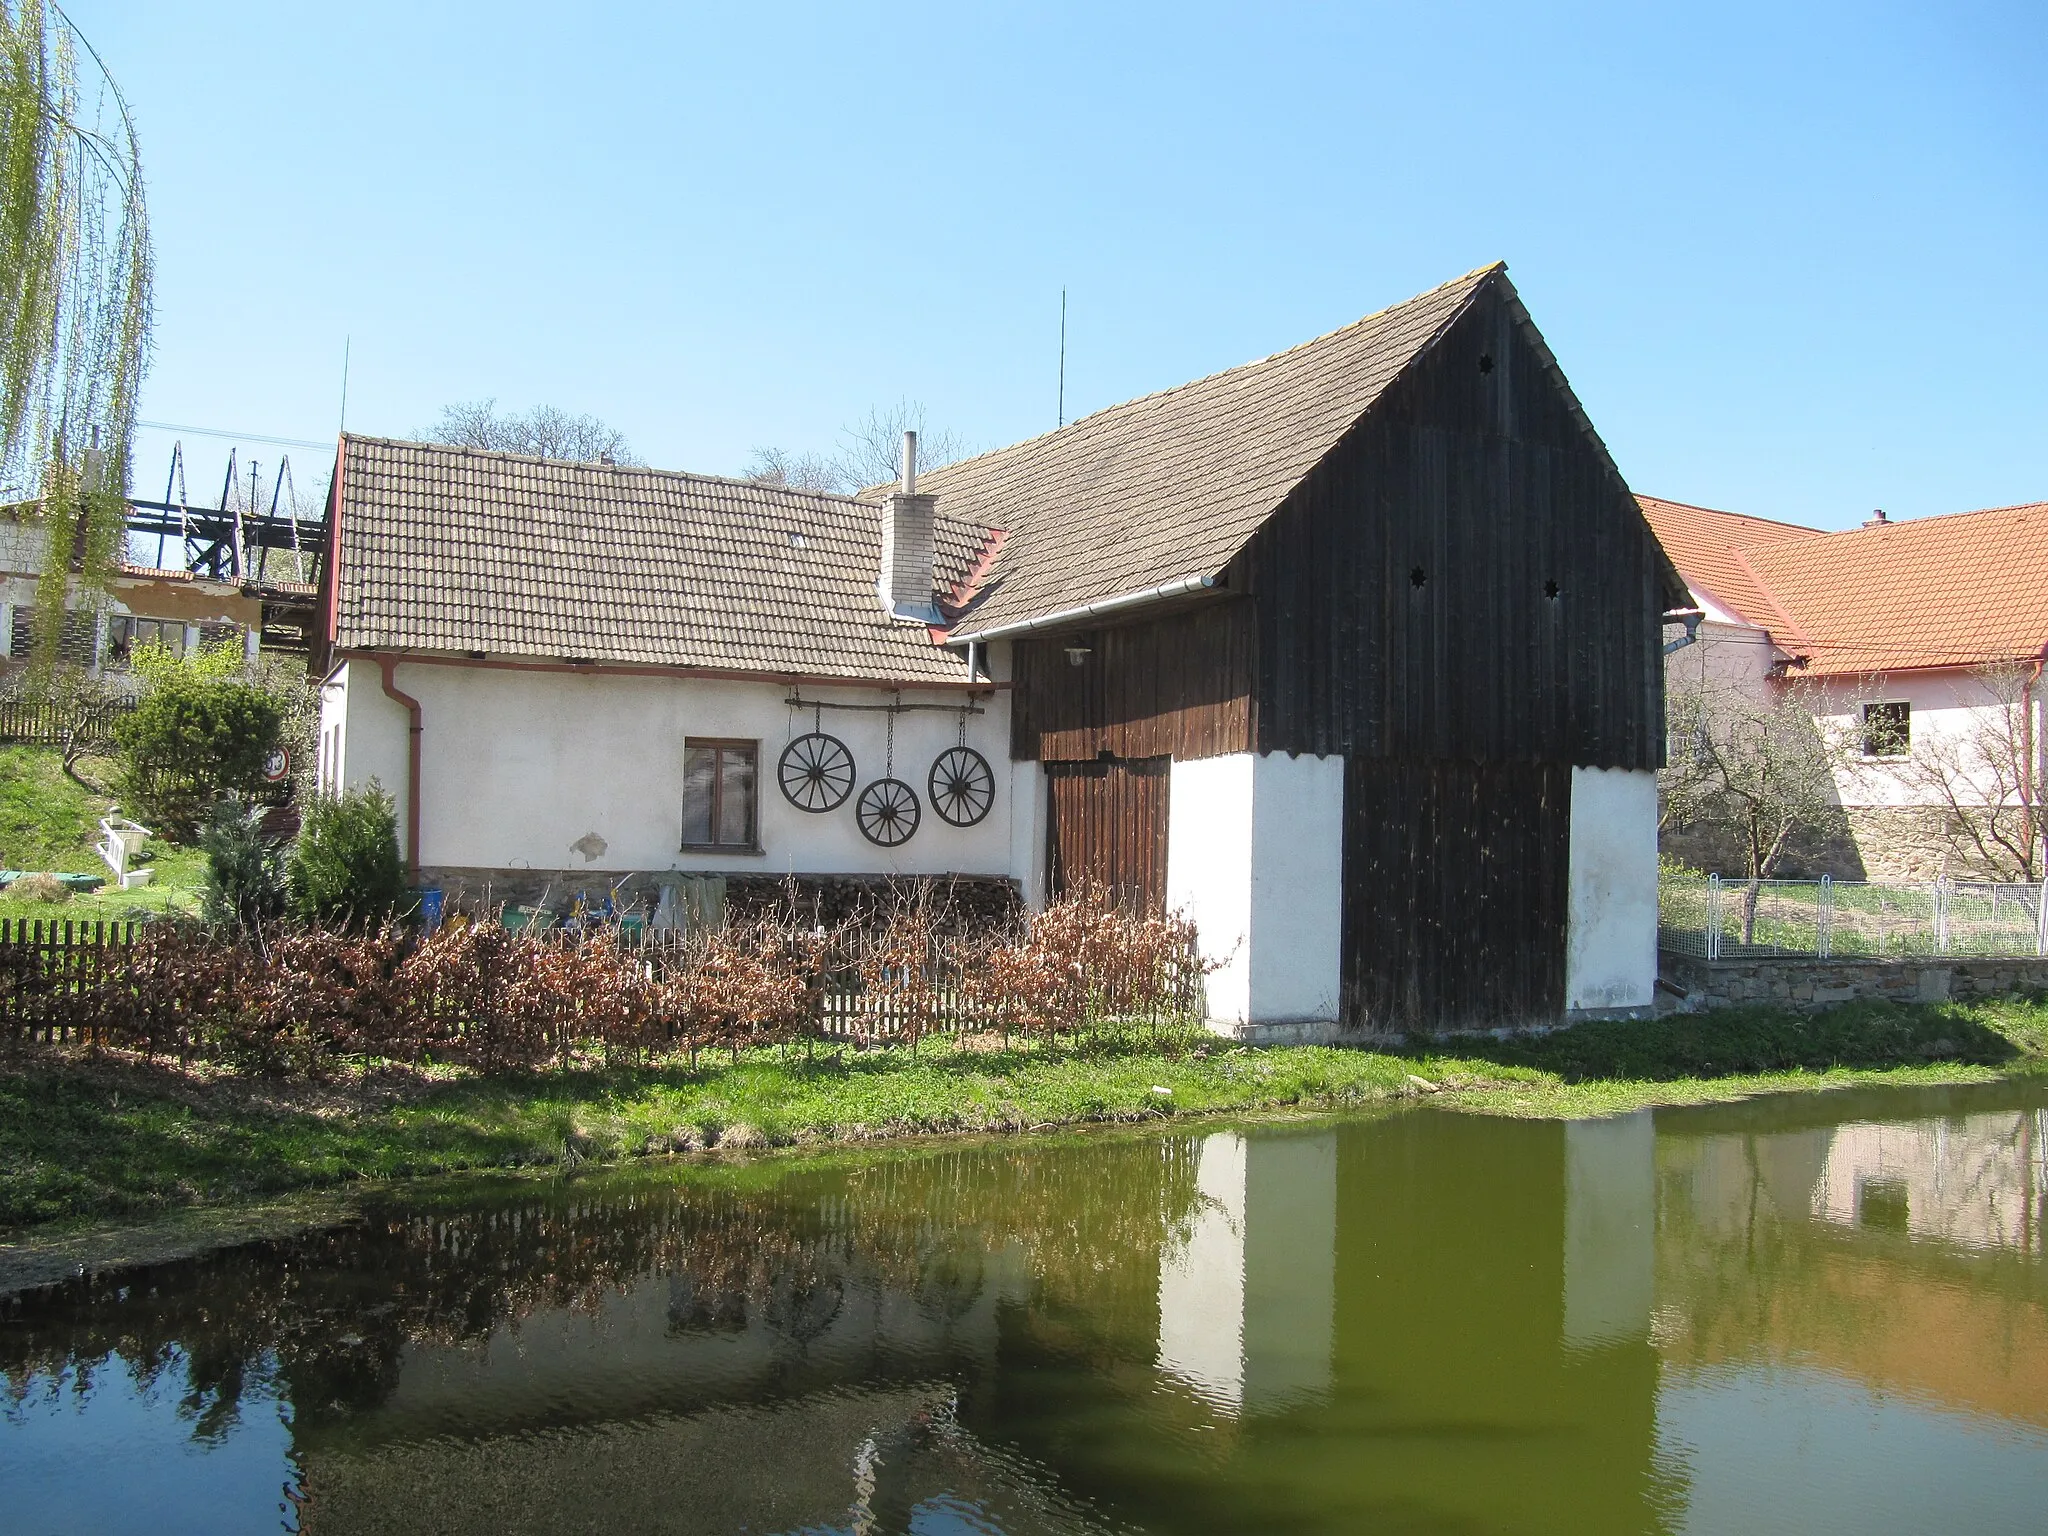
1828	919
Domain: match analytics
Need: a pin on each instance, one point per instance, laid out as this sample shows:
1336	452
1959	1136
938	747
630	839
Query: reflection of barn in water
1305	1327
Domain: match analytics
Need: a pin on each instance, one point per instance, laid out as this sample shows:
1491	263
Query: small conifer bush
345	868
245	871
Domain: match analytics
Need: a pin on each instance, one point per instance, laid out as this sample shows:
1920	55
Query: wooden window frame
719	745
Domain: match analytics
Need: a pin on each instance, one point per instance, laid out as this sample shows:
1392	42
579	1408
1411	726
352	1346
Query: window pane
736	804
1887	730
699	766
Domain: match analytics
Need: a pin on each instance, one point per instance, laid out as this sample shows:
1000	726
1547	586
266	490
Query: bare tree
870	453
796	471
545	432
1985	780
872	449
1759	770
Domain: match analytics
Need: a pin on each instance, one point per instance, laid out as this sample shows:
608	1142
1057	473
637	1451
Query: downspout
388	667
1690	618
2031	774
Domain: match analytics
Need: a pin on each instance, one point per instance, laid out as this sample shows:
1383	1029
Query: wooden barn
1351	653
1355	654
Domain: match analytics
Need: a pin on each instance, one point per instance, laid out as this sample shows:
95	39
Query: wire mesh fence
1826	919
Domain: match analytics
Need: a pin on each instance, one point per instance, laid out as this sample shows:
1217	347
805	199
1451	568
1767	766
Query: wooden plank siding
1456	883
1464	601
1106	828
1486	484
1176	686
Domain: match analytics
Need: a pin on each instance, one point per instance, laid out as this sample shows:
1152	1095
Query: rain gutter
1177	587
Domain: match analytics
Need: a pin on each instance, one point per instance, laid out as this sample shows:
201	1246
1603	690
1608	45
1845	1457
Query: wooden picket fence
46	963
40	722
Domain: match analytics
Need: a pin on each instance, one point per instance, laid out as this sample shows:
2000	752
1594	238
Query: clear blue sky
1791	257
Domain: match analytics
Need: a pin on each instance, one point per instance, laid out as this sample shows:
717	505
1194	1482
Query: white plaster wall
372	739
1027	829
1254	858
1611	933
1209	871
1949	713
517	767
1730	657
1297	888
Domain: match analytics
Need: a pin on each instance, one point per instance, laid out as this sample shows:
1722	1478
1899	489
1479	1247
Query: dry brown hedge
295	1000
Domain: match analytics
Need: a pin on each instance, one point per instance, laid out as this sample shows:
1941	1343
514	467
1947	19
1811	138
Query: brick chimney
1877	519
908	550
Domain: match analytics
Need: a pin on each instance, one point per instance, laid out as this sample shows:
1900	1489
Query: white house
1919	645
1275	646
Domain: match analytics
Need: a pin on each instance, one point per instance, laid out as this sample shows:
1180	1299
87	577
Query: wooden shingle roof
1172	485
456	550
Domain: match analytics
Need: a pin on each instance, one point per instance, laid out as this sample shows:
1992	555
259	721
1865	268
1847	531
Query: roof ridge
1747	517
636	469
1474	277
1945	517
1764	589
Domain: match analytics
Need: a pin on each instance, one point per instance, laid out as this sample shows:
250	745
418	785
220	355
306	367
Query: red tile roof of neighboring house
1702	543
1954	591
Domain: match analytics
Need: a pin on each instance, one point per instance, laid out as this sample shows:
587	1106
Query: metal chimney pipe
910	463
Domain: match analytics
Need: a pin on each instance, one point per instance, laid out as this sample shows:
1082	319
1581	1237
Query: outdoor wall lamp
1076	654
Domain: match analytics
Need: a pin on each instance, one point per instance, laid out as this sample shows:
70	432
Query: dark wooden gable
1179	685
1465	576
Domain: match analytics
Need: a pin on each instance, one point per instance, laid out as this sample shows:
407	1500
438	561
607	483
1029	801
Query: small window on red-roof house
1888	730
720	810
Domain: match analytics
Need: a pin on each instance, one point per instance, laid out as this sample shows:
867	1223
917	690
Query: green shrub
200	730
345	866
245	879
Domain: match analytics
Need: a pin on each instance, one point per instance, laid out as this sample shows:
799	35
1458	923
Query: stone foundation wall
1864	842
968	902
1801	983
1919	842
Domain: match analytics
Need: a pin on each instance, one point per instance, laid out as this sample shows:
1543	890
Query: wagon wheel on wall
962	786
887	812
816	772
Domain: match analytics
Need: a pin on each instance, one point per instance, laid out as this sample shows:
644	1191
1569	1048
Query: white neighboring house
1918	643
142	605
1277	647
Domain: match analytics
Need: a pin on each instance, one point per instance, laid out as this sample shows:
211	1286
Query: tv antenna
1063	359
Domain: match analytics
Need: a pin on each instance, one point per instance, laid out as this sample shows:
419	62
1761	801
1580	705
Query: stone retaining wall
1794	982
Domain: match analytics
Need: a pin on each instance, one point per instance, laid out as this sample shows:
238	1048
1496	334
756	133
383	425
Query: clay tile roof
1173	484
454	550
1703	545
1960	590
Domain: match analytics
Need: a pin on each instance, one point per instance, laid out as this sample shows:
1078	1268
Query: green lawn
121	1138
50	821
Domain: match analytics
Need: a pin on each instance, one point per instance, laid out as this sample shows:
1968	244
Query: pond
1824	1313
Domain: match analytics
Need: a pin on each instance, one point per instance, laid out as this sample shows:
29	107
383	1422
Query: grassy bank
113	1137
50	820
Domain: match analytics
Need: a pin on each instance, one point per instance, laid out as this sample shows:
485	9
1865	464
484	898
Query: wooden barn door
1107	828
1456	879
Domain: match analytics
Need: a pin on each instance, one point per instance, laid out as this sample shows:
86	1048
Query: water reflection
1813	1314
1247	1290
